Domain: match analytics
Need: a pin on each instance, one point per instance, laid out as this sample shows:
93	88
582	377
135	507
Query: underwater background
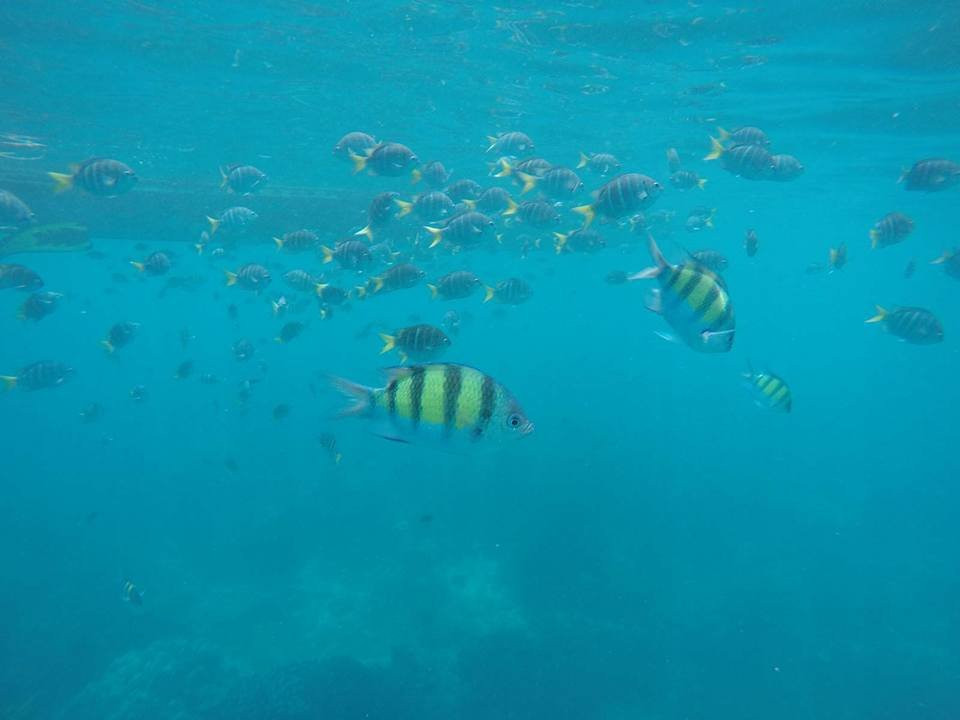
658	548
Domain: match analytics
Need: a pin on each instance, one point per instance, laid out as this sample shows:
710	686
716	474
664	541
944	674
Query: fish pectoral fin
393	438
666	336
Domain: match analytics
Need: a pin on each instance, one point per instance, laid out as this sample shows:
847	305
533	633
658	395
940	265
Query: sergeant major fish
770	391
445	402
693	300
910	324
38	376
98	176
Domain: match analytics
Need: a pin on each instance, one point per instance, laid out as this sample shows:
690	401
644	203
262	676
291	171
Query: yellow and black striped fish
441	400
771	391
693	300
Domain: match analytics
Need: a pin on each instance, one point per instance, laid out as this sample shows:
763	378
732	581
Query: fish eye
514	420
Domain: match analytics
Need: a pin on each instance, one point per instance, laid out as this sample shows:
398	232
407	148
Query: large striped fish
693	300
442	400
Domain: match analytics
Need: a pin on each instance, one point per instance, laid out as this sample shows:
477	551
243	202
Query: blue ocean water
660	547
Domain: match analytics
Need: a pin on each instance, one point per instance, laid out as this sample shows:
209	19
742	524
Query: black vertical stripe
416	392
487	397
392	396
452	382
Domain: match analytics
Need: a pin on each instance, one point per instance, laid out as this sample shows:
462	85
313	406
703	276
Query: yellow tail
199	248
389	343
377	284
560	243
224	178
61	181
724	134
359	162
716	149
416	175
327	254
367	232
434	291
879	317
947	255
489	294
231	278
588	212
138	265
361	292
584	161
436	235
512	208
702	183
471	204
505	169
278	241
320	287
874	239
108	346
529	182
214	224
9	381
405	207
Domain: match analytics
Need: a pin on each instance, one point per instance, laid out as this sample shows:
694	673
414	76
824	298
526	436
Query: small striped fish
438	399
693	300
771	391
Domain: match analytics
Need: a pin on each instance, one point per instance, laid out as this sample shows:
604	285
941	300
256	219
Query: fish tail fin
337	458
505	169
512	208
416	175
389	343
224	177
405	207
320	287
529	182
276	310
360	396
716	149
724	135
366	232
656	253
361	292
278	241
943	258
471	204
199	248
492	139
488	294
377	283
833	256
327	254
434	291
231	277
436	235
881	314
588	212
561	242
359	162
214	224
61	181
584	160
9	381
108	346
138	265
874	239
701	183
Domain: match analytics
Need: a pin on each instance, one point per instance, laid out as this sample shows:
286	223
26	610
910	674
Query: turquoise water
658	548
